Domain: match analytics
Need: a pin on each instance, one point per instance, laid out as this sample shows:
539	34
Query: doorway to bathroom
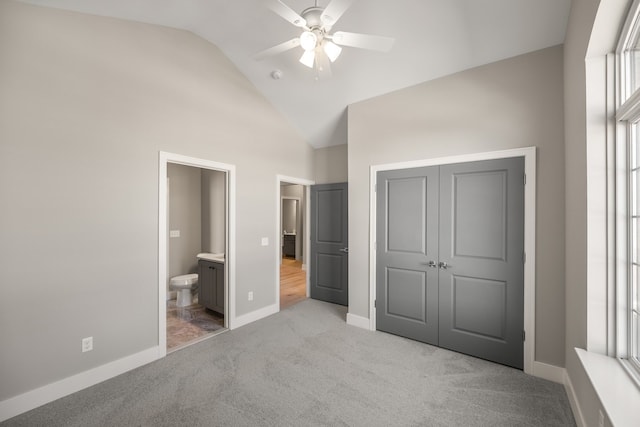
292	229
196	262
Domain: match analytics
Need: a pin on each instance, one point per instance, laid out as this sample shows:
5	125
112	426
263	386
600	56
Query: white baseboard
548	372
573	401
359	321
245	319
32	399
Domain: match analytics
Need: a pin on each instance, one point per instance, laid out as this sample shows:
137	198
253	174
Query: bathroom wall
184	217
197	200
214	192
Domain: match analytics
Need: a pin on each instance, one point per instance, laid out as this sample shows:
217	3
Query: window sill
616	390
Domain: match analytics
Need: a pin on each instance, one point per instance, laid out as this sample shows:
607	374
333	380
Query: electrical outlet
600	418
174	233
87	344
250	296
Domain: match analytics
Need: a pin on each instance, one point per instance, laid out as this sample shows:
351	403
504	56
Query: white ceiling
433	38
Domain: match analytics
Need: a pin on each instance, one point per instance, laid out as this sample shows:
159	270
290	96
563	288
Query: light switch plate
265	241
174	233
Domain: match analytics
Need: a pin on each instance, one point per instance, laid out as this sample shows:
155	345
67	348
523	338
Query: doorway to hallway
292	233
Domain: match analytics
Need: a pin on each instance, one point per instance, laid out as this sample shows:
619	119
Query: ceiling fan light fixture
308	40
332	50
308	57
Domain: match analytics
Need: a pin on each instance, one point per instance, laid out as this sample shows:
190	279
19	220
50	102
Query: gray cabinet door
450	257
289	246
407	253
206	277
211	285
329	243
218	285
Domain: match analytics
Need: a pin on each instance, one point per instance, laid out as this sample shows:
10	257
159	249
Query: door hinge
524	178
523	336
375	303
375	188
524	257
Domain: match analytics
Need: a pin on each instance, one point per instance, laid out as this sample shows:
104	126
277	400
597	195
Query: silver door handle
443	265
345	250
431	264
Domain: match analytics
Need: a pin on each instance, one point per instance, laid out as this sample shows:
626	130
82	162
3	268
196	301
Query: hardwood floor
293	283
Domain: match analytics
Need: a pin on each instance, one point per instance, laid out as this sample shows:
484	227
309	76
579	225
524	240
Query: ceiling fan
320	46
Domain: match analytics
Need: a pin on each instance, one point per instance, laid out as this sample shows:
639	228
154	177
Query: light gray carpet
304	367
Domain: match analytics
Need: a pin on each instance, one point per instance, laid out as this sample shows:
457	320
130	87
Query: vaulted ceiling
433	38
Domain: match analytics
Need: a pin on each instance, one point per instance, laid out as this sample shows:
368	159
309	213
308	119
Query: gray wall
289	215
513	103
184	216
87	103
213	211
331	164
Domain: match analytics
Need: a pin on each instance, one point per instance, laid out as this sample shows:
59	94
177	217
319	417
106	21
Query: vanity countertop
211	257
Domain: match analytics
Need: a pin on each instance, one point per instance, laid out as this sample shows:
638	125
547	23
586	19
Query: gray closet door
407	253
329	243
482	244
450	257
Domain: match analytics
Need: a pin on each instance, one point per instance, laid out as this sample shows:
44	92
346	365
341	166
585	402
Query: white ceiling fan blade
334	11
363	41
287	13
282	47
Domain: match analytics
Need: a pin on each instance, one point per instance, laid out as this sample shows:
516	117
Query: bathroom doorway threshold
197	340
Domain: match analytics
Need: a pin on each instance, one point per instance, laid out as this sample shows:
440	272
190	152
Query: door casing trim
230	252
529	154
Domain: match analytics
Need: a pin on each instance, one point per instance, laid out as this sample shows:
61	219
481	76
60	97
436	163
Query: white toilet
184	284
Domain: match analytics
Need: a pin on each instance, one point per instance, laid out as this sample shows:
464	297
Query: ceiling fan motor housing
313	17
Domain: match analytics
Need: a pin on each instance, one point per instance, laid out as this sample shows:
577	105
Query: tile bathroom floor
188	325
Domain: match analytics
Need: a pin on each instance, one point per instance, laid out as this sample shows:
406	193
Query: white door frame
529	154
306	240
230	251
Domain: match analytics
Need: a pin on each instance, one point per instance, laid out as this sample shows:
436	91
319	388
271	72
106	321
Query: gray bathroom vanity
211	285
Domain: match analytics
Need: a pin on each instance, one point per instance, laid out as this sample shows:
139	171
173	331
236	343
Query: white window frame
627	115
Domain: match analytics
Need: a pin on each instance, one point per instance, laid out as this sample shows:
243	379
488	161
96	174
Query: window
633	215
628	191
